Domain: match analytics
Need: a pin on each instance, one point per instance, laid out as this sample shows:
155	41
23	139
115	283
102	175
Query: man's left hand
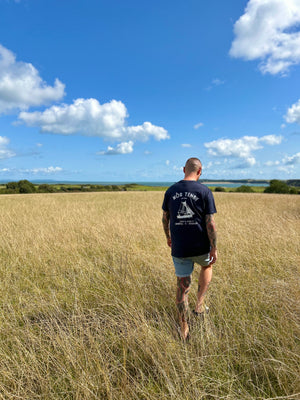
213	255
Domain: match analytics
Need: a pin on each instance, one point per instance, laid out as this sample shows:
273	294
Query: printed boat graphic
184	211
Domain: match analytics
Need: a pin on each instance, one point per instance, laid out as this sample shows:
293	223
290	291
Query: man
188	221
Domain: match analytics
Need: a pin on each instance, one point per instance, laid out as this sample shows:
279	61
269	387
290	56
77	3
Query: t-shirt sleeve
210	207
165	202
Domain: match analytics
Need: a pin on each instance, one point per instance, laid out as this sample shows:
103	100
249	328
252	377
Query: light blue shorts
185	266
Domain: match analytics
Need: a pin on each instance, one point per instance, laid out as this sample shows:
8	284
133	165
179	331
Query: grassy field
87	308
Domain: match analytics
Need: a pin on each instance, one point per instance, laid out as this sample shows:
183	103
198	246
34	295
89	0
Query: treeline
253	182
276	186
293	182
24	186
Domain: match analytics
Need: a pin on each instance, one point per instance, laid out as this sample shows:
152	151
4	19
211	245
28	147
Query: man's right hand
169	242
212	235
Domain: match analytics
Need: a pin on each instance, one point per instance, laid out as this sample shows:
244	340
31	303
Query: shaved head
192	166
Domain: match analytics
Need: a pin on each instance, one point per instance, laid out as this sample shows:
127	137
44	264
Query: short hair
192	165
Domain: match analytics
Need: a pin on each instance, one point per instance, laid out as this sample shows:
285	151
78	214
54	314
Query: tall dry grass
87	305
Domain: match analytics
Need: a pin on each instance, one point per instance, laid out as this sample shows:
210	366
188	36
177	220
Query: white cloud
199	125
121	148
167	162
90	118
271	139
3	141
249	162
208	165
48	170
6	154
286	164
175	168
4	151
143	132
268	30
295	159
240	148
293	113
186	145
287	169
271	163
217	82
21	85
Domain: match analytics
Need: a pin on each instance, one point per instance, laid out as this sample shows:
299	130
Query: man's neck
190	178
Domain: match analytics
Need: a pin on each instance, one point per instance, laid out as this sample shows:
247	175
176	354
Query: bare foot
201	309
184	331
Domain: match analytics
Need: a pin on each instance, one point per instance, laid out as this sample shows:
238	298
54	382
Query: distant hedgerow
277	186
245	189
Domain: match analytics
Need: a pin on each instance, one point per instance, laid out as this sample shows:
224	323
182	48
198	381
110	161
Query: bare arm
212	235
166	226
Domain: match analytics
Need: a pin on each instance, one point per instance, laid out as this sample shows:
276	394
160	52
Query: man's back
188	202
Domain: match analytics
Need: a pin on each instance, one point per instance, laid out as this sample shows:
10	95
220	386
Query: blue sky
128	90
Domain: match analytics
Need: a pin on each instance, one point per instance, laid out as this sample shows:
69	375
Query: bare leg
203	283
183	287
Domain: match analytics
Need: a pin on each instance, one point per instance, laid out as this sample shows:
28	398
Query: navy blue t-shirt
188	202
